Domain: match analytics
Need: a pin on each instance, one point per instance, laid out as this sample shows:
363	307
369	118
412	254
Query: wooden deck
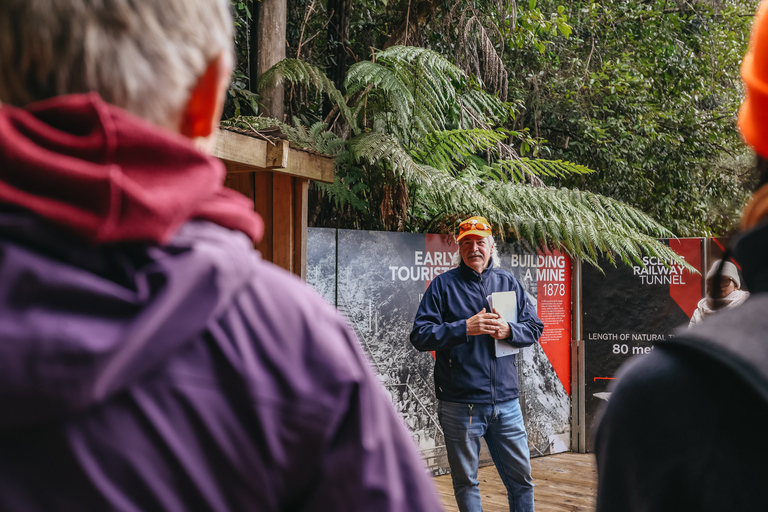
564	482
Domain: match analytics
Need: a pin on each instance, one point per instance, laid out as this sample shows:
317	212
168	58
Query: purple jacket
188	376
149	362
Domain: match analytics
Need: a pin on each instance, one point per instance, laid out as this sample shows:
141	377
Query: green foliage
241	100
533	28
430	152
412	90
646	94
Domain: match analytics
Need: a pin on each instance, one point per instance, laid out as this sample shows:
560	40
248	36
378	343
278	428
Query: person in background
685	426
149	360
725	293
477	391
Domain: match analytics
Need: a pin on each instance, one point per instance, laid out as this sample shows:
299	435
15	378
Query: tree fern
425	122
375	79
369	74
434	82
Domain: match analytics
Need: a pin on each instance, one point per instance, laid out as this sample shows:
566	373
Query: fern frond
428	58
515	170
476	52
365	73
445	191
443	149
299	72
433	81
484	107
571	221
380	148
378	79
341	193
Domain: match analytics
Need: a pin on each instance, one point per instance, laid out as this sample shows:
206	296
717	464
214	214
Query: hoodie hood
109	176
79	323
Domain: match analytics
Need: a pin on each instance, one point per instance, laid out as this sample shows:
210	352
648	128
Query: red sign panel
553	282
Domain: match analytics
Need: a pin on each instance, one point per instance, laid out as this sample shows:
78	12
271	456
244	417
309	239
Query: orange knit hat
753	115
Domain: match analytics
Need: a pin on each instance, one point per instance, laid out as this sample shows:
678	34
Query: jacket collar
469	273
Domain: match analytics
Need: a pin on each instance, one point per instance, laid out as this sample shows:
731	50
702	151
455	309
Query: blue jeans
502	427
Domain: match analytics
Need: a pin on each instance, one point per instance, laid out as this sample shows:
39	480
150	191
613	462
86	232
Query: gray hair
141	55
456	258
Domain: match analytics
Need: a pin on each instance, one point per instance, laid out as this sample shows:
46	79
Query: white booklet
506	305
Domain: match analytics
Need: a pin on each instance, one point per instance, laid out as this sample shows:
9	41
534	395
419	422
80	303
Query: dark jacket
684	428
183	375
466	368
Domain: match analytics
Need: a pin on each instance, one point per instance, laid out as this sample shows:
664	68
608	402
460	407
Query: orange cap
753	115
474	226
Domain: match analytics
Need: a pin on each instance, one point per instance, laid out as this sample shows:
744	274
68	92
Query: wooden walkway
564	482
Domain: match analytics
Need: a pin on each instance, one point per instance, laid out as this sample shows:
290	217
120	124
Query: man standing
149	360
477	390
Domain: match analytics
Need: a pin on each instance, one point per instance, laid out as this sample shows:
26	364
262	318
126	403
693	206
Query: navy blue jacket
466	369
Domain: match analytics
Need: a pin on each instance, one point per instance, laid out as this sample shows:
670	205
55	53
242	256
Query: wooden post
242	182
276	176
263	206
301	208
282	221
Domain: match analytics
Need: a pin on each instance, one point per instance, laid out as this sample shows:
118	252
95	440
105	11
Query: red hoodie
110	176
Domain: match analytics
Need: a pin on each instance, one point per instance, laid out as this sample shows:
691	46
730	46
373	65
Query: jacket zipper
493	359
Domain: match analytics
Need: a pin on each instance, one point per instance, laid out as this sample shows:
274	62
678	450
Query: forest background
630	100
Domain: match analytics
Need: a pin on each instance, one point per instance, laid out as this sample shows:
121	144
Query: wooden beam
242	153
309	165
237	168
241	149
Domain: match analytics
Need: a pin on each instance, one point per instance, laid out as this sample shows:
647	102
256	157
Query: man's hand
488	323
504	330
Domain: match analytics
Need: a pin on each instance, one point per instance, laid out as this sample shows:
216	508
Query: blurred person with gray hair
149	360
723	292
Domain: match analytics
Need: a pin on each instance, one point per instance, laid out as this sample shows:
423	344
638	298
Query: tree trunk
394	206
269	47
338	36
